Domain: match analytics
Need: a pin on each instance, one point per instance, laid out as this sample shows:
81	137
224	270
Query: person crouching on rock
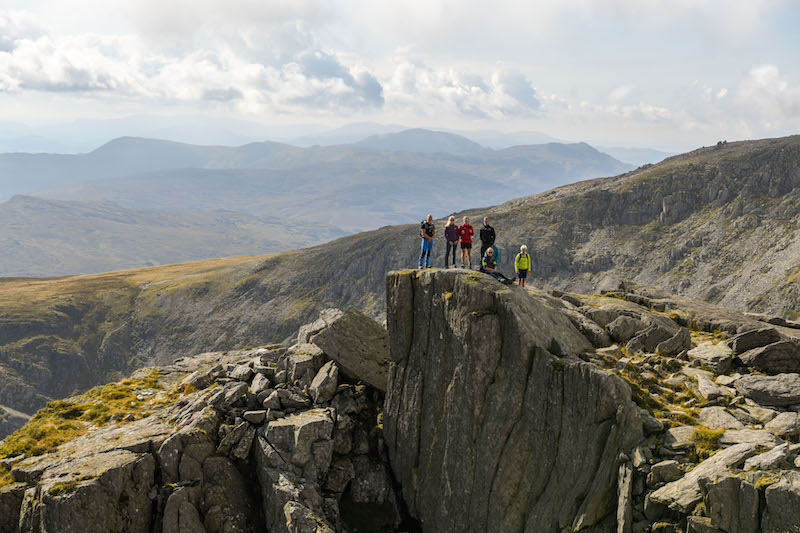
466	232
522	264
451	236
490	267
427	231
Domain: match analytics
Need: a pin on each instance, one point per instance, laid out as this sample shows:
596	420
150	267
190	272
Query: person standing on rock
452	237
488	237
522	264
427	231
465	232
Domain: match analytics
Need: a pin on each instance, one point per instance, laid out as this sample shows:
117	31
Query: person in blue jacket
489	266
427	231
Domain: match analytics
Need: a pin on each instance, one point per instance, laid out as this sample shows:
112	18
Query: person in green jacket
522	264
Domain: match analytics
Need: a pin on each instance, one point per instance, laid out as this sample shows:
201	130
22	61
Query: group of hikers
456	236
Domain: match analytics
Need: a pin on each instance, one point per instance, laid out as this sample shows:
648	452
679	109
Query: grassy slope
47	237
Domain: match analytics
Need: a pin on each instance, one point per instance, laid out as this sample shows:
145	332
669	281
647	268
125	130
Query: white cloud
767	90
15	25
424	89
125	66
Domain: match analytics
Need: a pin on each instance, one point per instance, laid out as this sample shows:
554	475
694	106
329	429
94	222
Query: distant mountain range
215	200
636	156
83	136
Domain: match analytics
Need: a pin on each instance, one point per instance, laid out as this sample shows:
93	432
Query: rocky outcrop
492	421
359	345
237	442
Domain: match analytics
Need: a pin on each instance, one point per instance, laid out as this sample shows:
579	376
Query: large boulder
732	504
486	428
623	328
648	339
785	425
718	357
110	494
783	505
682	340
775	358
682	495
326	317
359	345
780	390
718	417
754	338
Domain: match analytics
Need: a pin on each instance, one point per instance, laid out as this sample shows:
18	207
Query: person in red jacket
465	232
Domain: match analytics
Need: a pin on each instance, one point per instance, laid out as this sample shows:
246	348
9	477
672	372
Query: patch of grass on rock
5	477
706	442
61	421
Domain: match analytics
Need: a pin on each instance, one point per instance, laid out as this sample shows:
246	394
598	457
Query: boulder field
479	407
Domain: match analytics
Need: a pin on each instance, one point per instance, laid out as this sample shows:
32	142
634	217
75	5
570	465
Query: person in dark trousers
489	266
488	236
522	264
427	231
465	232
452	237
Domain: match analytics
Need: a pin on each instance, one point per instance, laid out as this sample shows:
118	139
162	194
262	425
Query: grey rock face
323	387
775	358
717	356
326	317
718	417
759	437
624	502
780	390
733	504
682	495
783	505
679	342
777	457
785	425
698	524
480	416
648	339
753	339
359	345
591	330
623	328
116	500
665	471
11	497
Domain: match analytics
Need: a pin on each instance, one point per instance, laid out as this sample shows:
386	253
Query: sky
664	74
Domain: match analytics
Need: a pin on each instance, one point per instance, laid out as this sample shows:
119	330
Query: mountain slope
47	237
718	223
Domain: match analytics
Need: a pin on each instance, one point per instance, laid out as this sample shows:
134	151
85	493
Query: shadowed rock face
486	428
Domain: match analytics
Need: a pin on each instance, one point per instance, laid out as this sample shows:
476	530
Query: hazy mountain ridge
286	197
128	156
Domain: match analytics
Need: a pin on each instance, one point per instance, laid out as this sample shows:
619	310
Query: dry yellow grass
64	420
22	295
